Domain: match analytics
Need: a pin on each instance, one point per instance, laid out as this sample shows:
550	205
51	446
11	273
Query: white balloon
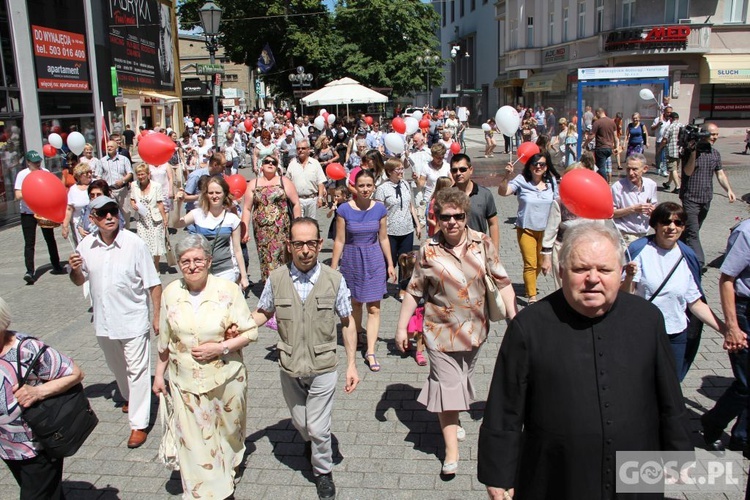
224	126
268	117
76	142
507	120
322	112
395	143
55	140
320	122
417	115
646	94
412	125
331	119
486	127
241	126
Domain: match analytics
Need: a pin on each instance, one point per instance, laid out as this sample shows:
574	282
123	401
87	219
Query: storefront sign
555	55
730	74
193	88
209	69
60	59
744	106
623	72
141	42
658	37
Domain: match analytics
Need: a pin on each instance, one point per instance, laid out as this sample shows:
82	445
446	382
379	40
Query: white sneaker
460	433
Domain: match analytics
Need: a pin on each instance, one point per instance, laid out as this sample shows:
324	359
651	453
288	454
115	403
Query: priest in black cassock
581	375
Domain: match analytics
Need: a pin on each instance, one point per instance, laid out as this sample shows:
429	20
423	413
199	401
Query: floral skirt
210	435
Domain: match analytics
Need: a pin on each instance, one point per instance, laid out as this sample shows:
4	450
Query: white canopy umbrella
344	91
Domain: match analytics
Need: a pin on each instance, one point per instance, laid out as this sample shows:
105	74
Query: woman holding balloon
536	189
147	201
78	200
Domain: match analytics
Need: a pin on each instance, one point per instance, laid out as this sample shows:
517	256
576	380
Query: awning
168	99
725	68
501	82
553	81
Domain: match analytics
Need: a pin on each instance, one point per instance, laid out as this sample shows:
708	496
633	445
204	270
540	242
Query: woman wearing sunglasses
271	201
666	272
449	276
536	189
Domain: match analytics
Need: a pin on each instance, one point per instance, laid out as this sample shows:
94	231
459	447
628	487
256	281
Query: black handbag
60	423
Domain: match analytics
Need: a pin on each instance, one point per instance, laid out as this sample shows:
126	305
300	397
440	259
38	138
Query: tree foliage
373	41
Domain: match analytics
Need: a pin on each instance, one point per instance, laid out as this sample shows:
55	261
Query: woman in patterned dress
205	323
267	201
262	149
449	276
151	220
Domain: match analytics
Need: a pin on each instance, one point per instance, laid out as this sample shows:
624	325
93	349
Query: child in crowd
406	262
441	183
747	141
340	195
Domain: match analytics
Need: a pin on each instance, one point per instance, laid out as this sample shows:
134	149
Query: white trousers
308	207
128	359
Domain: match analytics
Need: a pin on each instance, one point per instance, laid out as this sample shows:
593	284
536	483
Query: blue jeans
678	343
734	402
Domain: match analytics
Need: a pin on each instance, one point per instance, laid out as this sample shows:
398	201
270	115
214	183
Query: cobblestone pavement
384	442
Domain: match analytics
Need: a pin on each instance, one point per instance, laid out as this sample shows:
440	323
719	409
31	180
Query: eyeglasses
677	222
539	164
311	244
271	162
101	213
302	149
186	263
448	217
399	169
463	170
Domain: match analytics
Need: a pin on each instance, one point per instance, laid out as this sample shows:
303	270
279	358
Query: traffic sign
209	69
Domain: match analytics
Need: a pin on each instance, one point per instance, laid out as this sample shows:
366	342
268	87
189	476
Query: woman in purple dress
364	252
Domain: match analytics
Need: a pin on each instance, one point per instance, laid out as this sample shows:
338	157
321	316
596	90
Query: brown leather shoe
125	407
137	438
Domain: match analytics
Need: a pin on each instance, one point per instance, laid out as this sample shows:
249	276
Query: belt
308	196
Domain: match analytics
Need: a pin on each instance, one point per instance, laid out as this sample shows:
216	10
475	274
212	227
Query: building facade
539	46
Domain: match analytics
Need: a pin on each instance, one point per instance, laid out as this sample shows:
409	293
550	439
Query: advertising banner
142	45
60	59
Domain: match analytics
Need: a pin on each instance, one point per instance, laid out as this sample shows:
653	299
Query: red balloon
197	121
455	148
288	114
155	149
237	185
526	150
398	125
49	150
210	120
424	123
325	116
248	124
335	171
368	120
586	194
45	195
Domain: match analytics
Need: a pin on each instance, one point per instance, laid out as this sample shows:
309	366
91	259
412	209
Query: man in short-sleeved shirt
120	270
604	133
308	178
191	193
117	170
634	198
483	213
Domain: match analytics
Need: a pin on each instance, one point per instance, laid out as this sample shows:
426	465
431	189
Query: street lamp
210	15
428	60
300	78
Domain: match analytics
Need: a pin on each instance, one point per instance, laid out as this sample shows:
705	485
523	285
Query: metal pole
211	54
429	94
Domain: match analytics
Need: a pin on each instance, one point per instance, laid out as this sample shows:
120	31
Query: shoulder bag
663	283
60	423
495	305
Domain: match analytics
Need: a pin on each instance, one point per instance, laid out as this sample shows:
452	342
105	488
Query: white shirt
626	194
306	179
431	176
114	169
19	183
654	264
120	276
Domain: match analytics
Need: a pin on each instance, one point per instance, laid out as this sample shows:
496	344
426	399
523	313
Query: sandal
420	358
373	364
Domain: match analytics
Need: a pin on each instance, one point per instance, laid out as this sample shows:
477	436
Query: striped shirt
303	284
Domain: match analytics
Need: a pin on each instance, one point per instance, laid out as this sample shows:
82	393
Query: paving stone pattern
385	443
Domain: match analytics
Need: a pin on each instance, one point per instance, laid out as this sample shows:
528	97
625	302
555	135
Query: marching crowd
383	198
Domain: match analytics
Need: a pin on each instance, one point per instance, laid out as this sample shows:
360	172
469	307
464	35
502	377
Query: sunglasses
271	162
101	213
448	217
677	222
463	170
539	164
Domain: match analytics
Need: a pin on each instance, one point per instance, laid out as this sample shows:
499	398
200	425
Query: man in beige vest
306	297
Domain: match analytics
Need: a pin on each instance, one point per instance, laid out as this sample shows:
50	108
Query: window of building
513	34
628	13
551	29
565	24
453	11
529	32
461	8
736	11
676	10
443	9
473	5
581	20
599	16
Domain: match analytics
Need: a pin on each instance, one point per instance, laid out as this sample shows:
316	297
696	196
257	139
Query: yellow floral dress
209	398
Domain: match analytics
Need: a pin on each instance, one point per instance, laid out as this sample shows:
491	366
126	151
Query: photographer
700	160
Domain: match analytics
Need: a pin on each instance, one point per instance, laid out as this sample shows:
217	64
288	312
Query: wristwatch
225	349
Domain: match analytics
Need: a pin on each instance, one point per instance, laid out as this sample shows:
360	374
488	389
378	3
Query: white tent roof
343	91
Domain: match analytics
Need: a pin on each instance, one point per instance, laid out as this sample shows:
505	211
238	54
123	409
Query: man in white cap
119	268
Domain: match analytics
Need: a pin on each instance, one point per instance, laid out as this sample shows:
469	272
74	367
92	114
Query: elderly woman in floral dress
207	376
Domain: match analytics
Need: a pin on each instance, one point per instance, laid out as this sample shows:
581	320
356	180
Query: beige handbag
495	305
168	445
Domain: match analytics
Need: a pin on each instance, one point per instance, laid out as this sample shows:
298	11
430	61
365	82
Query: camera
694	137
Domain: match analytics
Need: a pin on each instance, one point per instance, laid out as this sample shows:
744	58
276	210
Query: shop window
599	16
736	11
581	33
69	103
676	10
6	52
628	13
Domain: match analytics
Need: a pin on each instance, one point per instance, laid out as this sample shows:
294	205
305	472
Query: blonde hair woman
78	199
147	202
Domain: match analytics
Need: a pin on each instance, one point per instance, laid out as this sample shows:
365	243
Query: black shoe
29	278
58	270
308	450
666	185
712	436
676	191
326	488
